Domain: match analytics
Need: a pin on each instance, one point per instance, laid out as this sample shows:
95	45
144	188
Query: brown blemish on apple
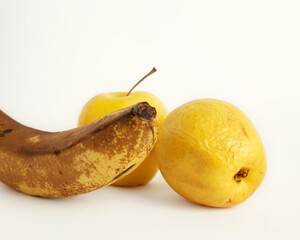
244	132
242	173
229	200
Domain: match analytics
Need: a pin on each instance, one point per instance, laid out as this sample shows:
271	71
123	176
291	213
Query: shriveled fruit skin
210	153
79	160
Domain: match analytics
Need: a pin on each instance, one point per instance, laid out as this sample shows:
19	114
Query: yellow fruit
210	153
79	160
104	104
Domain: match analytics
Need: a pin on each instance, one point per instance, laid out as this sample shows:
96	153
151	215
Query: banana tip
144	110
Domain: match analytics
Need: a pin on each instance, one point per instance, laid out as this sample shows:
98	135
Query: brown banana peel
76	161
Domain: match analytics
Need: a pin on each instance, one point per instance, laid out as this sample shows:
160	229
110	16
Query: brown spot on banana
79	160
4	132
7	131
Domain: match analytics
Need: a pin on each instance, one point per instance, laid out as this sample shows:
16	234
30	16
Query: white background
56	55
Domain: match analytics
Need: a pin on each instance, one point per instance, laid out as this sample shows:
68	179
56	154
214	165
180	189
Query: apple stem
147	75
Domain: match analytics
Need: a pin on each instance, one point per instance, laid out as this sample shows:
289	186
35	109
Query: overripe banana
79	160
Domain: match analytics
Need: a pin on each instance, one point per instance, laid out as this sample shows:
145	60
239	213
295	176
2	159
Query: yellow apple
106	103
209	152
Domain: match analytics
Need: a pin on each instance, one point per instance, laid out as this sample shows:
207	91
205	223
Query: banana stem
147	75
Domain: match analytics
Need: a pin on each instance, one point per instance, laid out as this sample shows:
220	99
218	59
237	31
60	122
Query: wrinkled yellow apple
104	104
209	152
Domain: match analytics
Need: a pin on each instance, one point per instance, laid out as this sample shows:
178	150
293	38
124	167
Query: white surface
56	55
